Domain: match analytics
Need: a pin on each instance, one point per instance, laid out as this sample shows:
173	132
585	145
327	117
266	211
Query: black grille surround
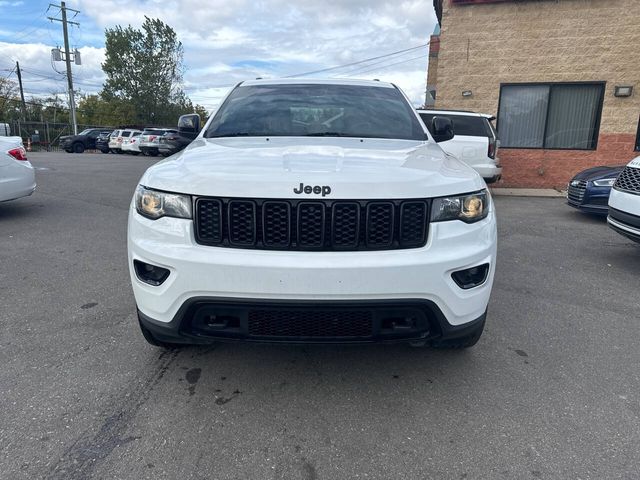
311	224
202	320
628	181
308	321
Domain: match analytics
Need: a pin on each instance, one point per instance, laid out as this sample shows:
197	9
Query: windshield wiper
233	134
326	134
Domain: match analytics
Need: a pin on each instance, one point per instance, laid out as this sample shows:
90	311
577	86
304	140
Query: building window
552	116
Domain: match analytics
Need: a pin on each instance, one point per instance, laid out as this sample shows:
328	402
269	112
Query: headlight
154	204
605	182
468	208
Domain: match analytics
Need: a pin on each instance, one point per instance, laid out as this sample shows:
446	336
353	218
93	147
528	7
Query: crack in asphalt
91	448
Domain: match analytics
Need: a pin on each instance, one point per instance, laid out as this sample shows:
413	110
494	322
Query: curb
527	192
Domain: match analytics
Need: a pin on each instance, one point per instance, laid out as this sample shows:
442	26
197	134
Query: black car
83	141
102	142
171	143
589	190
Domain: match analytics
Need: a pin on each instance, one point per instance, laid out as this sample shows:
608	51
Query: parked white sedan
17	176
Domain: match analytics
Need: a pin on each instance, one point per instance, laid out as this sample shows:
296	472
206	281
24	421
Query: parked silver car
150	139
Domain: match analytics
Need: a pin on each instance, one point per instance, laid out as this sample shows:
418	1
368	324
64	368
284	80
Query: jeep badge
308	189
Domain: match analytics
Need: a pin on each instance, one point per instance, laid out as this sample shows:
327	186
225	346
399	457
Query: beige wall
541	41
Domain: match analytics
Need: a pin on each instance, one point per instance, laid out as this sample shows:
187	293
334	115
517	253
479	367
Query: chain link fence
45	136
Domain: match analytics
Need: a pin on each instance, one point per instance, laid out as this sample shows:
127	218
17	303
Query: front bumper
624	214
421	275
261	321
593	200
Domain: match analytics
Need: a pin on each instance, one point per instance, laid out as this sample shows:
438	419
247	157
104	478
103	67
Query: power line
367	66
358	62
10	72
387	66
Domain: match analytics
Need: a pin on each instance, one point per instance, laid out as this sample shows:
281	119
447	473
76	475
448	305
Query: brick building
561	76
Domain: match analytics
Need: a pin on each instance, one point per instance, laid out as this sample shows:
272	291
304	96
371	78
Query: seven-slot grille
323	225
576	190
629	180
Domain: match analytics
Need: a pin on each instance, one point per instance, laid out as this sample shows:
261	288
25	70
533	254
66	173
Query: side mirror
442	128
189	125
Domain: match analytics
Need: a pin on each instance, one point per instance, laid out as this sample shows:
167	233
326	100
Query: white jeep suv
312	211
475	142
624	202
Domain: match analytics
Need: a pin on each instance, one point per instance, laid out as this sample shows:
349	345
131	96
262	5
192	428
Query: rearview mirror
189	125
442	128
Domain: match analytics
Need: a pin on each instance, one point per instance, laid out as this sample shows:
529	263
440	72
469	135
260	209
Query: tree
144	68
9	100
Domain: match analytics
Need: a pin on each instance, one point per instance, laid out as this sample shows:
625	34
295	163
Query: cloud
41	76
227	42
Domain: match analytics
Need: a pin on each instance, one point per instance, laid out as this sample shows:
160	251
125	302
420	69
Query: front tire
462	342
78	148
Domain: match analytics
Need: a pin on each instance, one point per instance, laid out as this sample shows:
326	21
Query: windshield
85	132
316	110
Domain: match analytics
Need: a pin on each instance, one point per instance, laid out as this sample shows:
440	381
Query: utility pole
67	54
24	106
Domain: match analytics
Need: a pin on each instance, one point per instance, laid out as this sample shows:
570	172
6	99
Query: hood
635	163
597	173
68	138
352	168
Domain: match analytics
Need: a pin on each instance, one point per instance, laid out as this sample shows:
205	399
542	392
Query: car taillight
492	148
18	153
152	138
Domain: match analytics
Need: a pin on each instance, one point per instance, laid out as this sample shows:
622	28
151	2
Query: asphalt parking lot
552	390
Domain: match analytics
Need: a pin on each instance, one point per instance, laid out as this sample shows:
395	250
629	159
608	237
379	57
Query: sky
228	41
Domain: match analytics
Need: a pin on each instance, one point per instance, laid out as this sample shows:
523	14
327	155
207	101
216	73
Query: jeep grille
323	225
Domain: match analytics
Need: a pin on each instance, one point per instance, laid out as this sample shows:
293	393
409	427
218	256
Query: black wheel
462	342
135	153
148	336
106	150
78	148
